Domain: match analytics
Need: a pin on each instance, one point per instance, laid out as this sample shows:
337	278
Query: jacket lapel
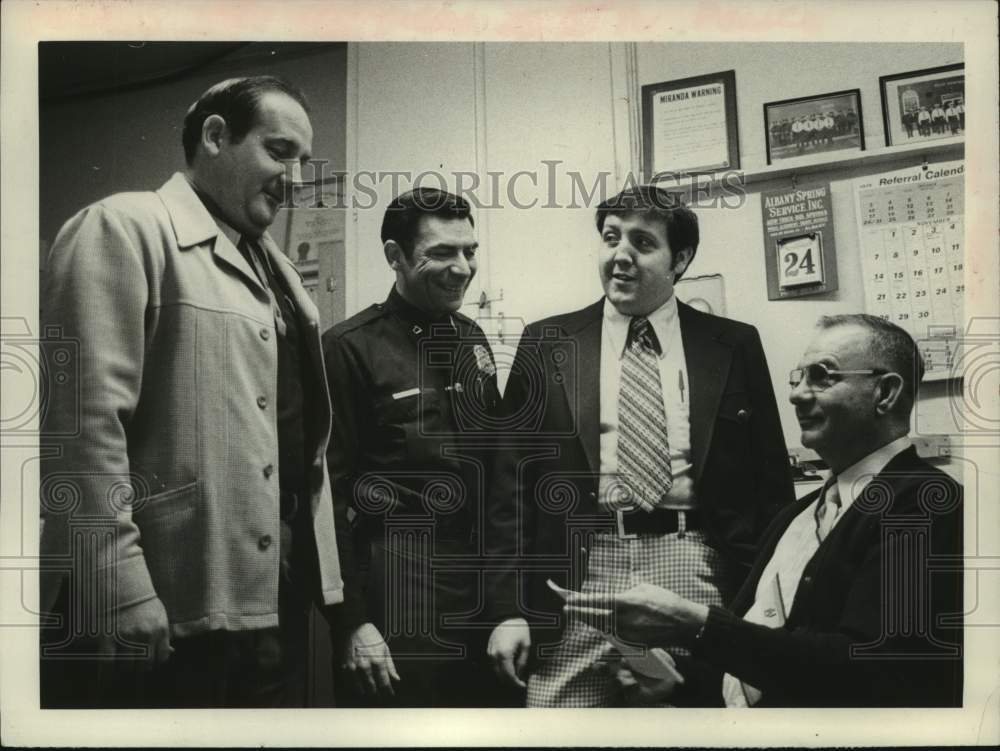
581	372
227	253
193	225
305	308
708	361
308	316
748	592
901	471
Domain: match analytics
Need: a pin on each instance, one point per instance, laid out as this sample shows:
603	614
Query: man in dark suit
856	598
643	444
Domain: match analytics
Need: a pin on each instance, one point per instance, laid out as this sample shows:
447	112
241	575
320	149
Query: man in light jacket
188	521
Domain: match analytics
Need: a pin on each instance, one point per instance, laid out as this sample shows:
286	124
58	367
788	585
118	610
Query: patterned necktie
254	256
643	449
827	510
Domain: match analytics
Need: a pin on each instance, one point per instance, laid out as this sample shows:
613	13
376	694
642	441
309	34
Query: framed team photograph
923	105
814	125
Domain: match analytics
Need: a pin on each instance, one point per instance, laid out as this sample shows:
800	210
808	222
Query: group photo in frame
923	105
689	126
813	125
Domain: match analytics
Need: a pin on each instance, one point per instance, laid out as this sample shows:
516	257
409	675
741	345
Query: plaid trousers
684	563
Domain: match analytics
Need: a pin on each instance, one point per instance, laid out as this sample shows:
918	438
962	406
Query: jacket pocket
166	504
406	425
735	407
172	541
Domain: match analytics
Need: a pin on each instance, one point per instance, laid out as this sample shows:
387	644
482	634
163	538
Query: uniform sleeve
348	399
94	297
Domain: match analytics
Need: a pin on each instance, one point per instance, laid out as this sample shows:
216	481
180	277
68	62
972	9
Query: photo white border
972	22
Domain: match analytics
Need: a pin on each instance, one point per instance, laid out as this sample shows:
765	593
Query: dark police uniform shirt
414	402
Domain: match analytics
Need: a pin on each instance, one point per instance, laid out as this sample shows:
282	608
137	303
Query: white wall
410	108
732	239
508	107
771	71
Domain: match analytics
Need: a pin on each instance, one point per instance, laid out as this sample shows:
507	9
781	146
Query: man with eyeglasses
856	598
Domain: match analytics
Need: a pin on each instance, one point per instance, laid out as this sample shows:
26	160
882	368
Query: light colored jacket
164	482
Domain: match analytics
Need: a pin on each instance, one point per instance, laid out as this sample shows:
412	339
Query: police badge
483	361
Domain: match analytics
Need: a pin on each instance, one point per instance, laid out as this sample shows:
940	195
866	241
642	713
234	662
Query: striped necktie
643	448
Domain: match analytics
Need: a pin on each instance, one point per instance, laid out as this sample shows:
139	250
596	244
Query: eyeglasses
819	377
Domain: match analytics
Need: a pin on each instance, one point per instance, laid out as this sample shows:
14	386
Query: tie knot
641	332
833	493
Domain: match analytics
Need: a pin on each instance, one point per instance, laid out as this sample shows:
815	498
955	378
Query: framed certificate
689	126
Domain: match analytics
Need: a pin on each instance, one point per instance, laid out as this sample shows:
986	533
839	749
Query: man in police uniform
416	385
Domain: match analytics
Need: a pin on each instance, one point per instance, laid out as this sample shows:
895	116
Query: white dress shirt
673	382
796	548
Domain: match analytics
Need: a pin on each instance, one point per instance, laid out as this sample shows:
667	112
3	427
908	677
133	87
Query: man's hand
645	614
368	659
508	649
140	626
642	690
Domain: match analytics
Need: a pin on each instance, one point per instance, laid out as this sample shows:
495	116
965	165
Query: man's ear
214	134
888	391
393	254
681	260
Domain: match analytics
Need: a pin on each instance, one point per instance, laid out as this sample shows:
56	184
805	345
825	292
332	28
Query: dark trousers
426	611
256	668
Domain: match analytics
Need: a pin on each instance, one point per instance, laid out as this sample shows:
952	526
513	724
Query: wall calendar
910	233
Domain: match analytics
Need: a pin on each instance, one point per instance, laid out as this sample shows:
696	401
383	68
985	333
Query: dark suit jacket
544	502
877	616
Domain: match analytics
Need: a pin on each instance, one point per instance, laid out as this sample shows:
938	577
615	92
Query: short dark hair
402	216
679	222
891	346
236	100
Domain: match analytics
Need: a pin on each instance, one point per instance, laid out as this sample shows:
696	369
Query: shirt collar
663	320
412	314
231	234
855	478
193	214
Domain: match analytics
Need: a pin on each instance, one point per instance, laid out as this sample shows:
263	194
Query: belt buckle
620	523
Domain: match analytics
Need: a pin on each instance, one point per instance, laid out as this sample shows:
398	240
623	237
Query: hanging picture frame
924	105
689	126
808	125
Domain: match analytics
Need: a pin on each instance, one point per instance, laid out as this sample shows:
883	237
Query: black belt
662	521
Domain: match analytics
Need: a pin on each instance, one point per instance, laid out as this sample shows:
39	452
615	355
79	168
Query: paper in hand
652	663
561	591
